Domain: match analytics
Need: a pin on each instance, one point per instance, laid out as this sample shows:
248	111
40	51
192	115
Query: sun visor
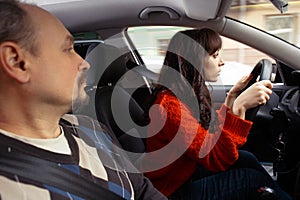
201	9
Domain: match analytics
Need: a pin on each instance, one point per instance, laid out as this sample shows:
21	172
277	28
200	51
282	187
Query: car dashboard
275	137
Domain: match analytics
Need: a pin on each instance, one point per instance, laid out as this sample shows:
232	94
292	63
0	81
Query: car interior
120	83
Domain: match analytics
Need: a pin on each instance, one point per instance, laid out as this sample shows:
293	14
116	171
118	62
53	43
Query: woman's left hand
241	84
236	89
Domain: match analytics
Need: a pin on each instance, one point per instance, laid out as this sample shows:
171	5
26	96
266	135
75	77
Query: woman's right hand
257	94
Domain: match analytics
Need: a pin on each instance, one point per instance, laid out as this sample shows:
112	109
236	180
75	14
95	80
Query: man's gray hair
16	24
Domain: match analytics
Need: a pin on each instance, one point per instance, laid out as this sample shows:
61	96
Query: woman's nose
221	62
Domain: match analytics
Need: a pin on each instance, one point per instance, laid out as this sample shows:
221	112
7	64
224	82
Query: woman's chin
214	80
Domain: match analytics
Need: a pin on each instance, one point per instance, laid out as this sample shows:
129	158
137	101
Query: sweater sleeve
143	188
215	151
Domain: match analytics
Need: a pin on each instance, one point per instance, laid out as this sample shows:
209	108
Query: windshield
265	16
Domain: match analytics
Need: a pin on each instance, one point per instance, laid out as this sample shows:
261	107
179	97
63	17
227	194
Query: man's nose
85	65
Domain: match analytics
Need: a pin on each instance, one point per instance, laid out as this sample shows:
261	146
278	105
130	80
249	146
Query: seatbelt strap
48	173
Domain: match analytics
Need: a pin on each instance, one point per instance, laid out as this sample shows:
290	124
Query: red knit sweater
191	144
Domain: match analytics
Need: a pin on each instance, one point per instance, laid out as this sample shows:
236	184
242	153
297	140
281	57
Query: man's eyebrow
69	39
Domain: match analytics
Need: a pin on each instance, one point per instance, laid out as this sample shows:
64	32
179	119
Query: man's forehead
46	22
31	9
38	15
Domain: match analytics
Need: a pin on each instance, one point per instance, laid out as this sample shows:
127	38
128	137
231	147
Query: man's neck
31	122
37	129
24	115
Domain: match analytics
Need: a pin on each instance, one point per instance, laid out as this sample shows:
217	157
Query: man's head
15	24
37	58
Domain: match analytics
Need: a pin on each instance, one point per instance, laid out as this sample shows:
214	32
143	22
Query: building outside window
282	26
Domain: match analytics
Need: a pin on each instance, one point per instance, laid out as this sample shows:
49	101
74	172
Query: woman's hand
236	89
257	94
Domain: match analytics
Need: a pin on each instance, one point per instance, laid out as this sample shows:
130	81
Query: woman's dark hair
186	53
16	25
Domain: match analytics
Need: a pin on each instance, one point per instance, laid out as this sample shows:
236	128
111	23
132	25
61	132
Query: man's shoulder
79	121
76	124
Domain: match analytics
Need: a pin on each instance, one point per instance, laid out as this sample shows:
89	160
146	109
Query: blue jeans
240	181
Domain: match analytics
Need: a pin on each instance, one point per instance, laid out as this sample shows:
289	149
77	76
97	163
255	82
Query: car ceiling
102	16
88	15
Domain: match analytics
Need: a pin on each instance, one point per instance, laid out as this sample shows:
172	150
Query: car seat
108	65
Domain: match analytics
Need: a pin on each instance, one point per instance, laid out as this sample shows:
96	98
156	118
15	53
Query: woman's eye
215	55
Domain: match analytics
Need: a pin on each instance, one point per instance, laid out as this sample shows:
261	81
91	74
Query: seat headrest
107	63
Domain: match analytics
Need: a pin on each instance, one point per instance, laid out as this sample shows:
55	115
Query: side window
282	26
152	42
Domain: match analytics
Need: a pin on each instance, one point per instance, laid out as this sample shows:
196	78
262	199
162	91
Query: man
41	77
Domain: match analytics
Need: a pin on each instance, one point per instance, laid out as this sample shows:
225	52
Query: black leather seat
114	106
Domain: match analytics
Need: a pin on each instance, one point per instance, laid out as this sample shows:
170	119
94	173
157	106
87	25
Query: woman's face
212	66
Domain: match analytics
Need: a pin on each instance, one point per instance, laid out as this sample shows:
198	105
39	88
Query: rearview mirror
281	5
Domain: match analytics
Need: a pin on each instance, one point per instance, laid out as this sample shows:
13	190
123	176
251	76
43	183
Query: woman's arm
257	94
236	89
216	151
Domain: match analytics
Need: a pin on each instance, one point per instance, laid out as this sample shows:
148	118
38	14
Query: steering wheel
263	69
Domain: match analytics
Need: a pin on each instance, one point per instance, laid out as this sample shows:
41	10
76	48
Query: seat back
111	100
113	113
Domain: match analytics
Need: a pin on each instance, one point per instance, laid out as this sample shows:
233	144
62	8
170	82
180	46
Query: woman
203	160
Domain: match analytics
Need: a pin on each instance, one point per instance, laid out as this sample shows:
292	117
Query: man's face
58	72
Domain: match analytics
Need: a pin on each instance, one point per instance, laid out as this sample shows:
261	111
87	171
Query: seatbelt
48	173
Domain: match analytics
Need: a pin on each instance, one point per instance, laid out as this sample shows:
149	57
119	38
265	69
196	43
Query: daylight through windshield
264	15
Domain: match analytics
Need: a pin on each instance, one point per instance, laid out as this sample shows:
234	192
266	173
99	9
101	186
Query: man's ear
13	62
